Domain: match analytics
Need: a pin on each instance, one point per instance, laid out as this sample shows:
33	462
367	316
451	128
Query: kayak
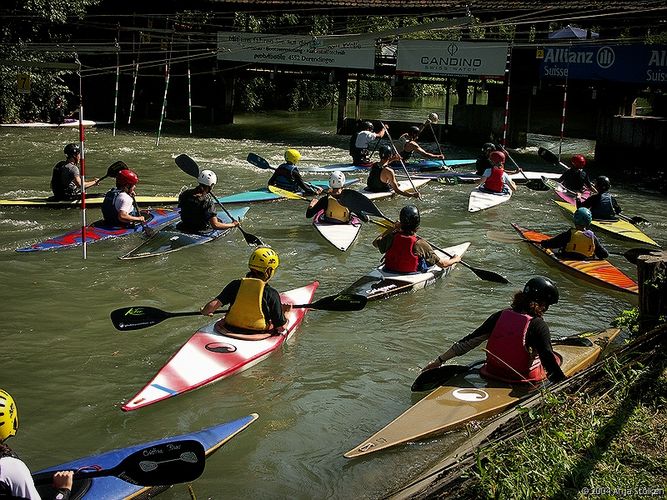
209	356
340	235
380	283
598	271
212	438
65	124
263	193
619	228
412	166
92	200
562	192
471	177
481	200
468	396
170	239
98	231
404	185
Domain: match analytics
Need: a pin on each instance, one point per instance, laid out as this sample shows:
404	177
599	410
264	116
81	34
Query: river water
339	379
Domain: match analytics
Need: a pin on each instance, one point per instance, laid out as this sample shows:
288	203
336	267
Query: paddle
156	465
287	194
550	157
260	162
147	230
358	203
405	169
433	118
535	184
190	167
138	317
113	170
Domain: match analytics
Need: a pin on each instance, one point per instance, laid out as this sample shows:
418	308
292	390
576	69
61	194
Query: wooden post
652	278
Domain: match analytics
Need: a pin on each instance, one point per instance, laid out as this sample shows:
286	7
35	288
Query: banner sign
636	63
452	58
298	50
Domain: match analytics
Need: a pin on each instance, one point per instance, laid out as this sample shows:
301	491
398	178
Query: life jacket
374	183
63	189
574	179
246	311
507	358
604	208
400	258
335	211
581	242
284	178
109	211
195	212
495	181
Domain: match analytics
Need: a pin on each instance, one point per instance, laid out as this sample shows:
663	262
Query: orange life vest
495	181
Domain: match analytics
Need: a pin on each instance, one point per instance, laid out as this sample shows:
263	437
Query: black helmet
602	183
385	151
367	126
488	146
409	217
71	150
413	131
542	290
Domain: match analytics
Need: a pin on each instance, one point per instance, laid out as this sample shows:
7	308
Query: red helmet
578	161
126	178
497	158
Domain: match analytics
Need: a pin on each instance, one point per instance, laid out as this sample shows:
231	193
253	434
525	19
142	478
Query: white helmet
207	178
336	179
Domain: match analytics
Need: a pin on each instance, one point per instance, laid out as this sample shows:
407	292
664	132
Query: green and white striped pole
189	89
166	87
134	81
115	100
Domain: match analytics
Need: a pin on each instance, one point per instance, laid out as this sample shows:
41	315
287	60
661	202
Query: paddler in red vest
255	312
518	340
495	179
334	211
579	243
404	251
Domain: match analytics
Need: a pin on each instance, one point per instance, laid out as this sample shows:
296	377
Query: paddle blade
286	194
116	167
435	377
537	185
547	155
357	203
187	165
487	275
136	318
258	161
251	239
346	302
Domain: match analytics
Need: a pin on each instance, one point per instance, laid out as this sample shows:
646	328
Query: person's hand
63	480
235	223
97	181
318	190
286	308
312	203
431	365
142	219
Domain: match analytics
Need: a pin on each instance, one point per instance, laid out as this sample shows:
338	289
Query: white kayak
404	185
481	200
67	123
341	235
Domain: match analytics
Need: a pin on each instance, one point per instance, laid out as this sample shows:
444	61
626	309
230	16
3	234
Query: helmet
263	259
207	178
488	146
409	217
578	161
126	178
336	179
433	117
602	183
542	290
367	126
71	150
385	151
413	131
9	416
582	217
292	156
497	158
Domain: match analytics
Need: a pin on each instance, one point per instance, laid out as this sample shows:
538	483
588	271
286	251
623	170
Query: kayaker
579	243
495	179
255	311
360	141
576	178
287	176
118	207
602	205
483	163
334	211
518	340
382	178
197	206
407	145
15	478
404	251
66	177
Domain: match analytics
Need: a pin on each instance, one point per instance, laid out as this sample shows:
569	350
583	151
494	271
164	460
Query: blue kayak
170	239
263	194
98	231
110	487
412	166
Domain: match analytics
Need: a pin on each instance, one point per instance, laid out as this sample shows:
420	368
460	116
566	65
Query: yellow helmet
9	416
263	259
292	156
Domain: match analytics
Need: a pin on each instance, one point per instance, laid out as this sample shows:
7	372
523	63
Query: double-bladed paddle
534	184
260	162
161	464
113	169
138	317
190	167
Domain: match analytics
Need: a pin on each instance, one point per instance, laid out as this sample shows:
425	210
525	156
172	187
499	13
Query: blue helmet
582	217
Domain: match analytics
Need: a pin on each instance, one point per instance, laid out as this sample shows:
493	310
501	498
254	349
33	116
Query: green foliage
628	320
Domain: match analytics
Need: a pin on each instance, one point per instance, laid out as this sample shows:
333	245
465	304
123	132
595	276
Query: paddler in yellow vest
579	243
255	311
333	210
518	339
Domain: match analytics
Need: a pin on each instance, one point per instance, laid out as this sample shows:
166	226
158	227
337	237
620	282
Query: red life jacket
399	258
507	358
495	181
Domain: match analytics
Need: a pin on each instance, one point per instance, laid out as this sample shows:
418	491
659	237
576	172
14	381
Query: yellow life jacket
246	311
581	243
336	211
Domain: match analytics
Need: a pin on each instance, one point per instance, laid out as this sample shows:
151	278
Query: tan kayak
468	396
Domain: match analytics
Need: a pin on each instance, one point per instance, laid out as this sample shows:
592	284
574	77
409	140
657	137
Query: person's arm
306	188
417	148
316	205
225	297
218	224
394	184
384	241
274	310
614	203
425	250
538	338
600	251
124	211
558	241
510	183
